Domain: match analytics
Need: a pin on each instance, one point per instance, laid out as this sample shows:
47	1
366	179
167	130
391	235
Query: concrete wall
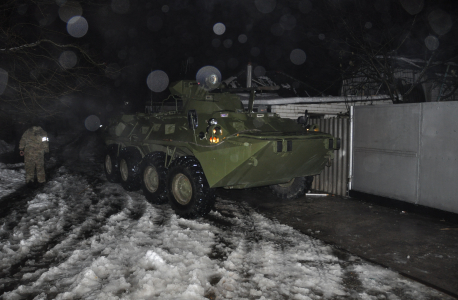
408	152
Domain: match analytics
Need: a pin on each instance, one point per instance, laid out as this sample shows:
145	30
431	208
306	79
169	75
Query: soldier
33	145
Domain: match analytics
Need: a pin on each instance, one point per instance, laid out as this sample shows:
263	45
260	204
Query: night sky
306	39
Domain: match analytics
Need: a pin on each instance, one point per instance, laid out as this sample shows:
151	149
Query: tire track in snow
260	250
270	247
80	259
237	234
126	251
279	262
81	220
223	219
15	203
162	256
78	219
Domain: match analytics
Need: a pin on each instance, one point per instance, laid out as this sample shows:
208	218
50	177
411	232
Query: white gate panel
387	174
407	152
387	127
438	158
385	145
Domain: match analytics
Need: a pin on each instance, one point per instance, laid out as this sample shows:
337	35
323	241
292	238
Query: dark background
128	39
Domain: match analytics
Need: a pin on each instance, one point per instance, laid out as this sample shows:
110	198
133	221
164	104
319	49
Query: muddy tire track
81	220
238	234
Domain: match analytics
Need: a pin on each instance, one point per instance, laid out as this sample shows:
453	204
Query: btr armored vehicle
212	141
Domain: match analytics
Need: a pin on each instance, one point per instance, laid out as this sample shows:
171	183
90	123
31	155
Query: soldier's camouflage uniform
34	143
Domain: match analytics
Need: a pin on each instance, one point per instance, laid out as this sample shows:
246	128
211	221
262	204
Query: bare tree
393	48
38	66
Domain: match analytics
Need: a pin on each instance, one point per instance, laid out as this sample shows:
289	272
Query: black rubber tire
202	197
292	190
308	183
111	164
130	172
154	162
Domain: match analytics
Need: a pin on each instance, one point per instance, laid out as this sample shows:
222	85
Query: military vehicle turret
181	156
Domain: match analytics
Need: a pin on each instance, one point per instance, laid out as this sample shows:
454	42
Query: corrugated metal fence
334	179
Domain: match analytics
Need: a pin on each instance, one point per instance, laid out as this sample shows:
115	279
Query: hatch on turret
187	89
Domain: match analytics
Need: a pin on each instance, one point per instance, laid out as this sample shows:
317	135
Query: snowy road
81	237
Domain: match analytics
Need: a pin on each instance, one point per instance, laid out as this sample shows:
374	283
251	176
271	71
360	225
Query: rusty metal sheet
334	179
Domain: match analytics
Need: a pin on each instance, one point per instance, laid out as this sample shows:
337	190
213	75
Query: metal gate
407	152
334	179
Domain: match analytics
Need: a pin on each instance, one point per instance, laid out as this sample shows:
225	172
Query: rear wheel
153	178
290	190
111	164
188	190
129	168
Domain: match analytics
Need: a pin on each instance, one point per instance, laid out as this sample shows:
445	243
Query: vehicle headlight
216	134
218	130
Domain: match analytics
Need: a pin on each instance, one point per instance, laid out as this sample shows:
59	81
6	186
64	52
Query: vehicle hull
250	162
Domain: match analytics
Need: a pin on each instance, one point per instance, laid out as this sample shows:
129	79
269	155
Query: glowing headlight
44	139
212	122
218	130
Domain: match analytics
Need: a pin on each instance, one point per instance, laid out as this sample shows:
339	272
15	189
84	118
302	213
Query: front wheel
188	191
290	190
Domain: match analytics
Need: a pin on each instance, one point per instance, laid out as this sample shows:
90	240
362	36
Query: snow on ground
12	176
81	237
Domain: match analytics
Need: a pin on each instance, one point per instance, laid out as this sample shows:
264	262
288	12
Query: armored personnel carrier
212	141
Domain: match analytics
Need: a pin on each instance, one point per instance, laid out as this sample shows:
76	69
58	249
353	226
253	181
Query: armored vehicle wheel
153	178
308	183
290	190
129	168
111	164
187	188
